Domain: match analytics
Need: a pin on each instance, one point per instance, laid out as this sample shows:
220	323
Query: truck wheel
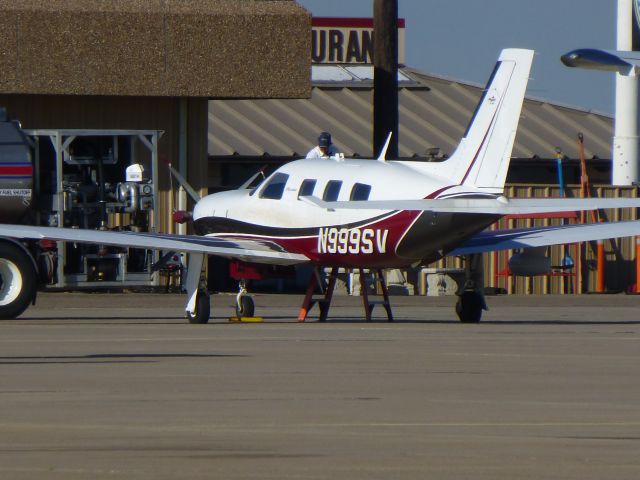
18	280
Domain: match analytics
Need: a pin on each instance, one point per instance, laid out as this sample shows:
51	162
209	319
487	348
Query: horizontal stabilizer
499	206
493	240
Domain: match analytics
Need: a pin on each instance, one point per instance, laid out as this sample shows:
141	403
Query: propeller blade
182	181
253	177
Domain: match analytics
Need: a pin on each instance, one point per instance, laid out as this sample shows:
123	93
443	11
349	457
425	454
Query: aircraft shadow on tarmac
106	358
290	319
560	322
440	321
97	320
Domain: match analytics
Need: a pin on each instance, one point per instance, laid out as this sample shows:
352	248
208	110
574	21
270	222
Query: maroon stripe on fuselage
350	252
435	194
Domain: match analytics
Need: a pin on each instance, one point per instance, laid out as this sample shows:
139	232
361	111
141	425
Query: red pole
637	264
600	267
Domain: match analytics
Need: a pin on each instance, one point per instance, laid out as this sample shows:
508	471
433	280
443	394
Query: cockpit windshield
274	188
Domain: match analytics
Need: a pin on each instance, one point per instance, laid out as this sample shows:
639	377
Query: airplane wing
492	240
245	250
499	206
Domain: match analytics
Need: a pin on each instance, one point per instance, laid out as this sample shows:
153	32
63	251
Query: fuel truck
92	179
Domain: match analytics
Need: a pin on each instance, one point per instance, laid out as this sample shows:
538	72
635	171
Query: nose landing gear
245	306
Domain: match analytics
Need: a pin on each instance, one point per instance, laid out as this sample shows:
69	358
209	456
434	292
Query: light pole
625	136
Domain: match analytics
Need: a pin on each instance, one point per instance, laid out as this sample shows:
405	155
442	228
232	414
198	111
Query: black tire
18	280
246	308
469	307
203	308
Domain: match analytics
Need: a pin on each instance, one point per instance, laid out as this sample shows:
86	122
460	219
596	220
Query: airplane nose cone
203	208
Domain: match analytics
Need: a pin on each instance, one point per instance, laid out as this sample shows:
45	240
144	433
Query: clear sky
461	39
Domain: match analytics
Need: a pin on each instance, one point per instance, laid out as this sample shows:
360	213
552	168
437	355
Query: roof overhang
199	48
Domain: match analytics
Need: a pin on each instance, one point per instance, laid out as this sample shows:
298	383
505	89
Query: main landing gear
202	309
471	300
198	307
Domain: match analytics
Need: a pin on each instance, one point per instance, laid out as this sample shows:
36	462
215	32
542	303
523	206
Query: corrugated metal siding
434	112
58	112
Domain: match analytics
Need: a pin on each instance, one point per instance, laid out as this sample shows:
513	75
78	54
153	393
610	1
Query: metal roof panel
434	112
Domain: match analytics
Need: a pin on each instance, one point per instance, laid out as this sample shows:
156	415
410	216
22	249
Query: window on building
332	190
306	188
275	186
360	191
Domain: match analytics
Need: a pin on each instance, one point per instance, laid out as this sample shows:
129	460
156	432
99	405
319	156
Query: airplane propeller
246	184
182	216
183	182
383	153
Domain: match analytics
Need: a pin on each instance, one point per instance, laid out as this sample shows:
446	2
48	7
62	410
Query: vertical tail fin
482	157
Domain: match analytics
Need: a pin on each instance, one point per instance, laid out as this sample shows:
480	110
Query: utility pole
625	137
385	76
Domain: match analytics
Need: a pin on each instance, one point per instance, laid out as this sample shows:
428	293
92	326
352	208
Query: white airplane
374	213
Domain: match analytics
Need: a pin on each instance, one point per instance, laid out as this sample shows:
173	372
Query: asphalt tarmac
110	386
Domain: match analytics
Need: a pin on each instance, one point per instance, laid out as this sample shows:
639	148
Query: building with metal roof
434	113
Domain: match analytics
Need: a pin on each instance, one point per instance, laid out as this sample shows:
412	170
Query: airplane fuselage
274	212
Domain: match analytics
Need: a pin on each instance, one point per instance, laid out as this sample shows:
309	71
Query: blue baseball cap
324	140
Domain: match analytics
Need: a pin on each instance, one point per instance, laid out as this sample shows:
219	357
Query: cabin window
332	190
360	191
306	188
275	186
